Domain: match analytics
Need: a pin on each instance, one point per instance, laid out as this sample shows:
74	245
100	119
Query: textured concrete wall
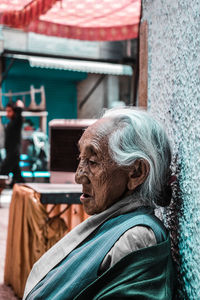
174	99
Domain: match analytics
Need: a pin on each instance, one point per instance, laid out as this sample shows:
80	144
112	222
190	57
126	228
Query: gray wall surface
109	93
94	105
174	99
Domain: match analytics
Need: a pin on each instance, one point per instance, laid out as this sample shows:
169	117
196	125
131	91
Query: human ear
137	174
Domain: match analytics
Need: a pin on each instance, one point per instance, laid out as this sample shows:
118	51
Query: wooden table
34	227
55	193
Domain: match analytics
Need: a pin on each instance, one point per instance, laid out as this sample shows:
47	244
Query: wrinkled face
10	113
103	182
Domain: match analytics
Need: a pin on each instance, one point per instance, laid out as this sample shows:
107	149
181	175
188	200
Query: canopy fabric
23	11
76	65
81	66
93	20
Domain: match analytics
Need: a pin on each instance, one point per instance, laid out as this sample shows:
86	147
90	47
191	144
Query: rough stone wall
174	99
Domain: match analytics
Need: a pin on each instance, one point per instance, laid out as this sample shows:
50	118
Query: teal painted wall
60	87
174	99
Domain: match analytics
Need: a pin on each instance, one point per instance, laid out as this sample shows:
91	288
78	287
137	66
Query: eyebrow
94	150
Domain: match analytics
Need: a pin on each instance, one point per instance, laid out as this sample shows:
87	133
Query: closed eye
92	162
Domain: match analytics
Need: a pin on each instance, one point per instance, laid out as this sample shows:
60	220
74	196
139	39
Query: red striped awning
93	20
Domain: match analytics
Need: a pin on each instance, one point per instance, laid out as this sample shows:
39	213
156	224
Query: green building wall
60	87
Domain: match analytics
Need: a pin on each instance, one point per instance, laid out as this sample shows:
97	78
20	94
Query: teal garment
80	268
146	274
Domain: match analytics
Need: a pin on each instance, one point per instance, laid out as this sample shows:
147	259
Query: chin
92	211
89	211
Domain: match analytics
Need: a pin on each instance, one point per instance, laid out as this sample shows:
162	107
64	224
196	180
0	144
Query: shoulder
137	238
18	112
132	240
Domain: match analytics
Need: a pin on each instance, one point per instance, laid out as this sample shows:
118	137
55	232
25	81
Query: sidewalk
6	292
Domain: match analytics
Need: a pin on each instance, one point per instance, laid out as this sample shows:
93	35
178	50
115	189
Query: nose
81	176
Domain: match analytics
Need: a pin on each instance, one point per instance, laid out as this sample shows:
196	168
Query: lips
85	196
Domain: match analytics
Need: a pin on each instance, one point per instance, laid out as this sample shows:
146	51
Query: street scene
99	149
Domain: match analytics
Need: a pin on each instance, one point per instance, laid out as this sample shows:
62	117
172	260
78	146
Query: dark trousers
11	164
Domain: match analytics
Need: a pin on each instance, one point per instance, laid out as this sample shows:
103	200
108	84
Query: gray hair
137	135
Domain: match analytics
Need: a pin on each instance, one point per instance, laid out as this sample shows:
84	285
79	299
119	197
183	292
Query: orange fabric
32	231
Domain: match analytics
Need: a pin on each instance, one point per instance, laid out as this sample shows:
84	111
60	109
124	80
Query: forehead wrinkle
88	145
96	137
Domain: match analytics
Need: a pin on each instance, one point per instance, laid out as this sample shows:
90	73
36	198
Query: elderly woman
121	251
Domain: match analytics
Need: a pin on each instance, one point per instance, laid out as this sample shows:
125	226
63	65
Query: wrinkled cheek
103	194
100	180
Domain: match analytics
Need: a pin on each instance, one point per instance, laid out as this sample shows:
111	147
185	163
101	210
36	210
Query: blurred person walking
12	142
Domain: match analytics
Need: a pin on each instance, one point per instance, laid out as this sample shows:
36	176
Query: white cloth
69	242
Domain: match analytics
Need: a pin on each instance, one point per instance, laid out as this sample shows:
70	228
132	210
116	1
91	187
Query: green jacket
145	274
